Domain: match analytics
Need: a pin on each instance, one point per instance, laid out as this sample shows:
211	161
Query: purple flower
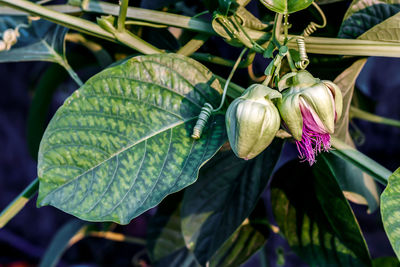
309	108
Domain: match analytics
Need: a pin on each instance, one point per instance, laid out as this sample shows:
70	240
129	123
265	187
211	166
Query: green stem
122	15
286	28
82	25
222	61
229	79
234	90
18	203
361	114
194	44
71	72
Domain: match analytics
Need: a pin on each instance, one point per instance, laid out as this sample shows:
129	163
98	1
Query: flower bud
309	108
252	121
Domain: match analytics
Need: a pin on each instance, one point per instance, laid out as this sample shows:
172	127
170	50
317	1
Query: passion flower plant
309	108
252	121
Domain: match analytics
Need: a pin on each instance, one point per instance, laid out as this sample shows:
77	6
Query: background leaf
223	197
390	211
121	143
167	247
362	15
39	41
315	218
388	30
362	189
60	242
356	186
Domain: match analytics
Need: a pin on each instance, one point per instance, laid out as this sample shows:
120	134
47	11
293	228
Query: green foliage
121	143
167	247
390	211
305	206
286	6
61	242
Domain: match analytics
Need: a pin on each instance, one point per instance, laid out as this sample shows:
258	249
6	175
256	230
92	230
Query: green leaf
39	41
358	5
286	6
223	197
121	143
315	218
364	15
390	211
60	242
386	261
388	30
355	185
366	164
167	247
361	190
245	241
165	242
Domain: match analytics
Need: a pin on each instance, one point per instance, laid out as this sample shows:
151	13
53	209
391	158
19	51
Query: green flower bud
310	108
252	121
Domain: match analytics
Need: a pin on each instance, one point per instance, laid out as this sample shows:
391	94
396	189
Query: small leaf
315	218
358	21
225	194
61	242
391	212
121	143
286	6
39	41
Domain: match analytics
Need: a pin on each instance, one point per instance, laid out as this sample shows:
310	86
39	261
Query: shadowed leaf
315	218
223	197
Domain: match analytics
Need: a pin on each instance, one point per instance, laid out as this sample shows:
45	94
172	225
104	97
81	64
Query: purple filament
312	143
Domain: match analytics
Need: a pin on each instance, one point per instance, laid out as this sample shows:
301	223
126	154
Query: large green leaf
286	6
166	245
315	218
121	143
225	194
39	41
390	209
363	15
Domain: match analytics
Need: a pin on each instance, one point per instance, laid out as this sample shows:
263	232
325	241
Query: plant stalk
316	45
122	15
18	203
363	115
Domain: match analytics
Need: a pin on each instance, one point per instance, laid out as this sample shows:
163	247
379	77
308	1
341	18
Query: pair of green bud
308	106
